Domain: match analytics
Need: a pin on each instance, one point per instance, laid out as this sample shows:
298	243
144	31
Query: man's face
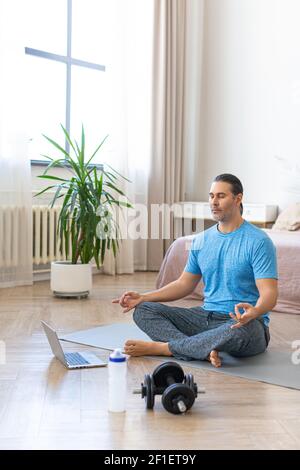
223	203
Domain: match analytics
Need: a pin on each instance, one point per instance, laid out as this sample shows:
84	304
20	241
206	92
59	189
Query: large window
66	57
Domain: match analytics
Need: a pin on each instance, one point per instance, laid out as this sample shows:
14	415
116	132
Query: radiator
46	242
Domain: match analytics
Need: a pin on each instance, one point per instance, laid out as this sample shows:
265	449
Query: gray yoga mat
273	367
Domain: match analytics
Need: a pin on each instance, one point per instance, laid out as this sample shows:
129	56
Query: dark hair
236	185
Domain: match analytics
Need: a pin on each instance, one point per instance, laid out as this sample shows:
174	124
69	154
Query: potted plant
87	225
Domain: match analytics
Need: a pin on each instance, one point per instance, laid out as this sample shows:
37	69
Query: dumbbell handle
138	391
181	405
170	380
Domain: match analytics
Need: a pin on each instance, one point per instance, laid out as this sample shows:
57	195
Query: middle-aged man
237	262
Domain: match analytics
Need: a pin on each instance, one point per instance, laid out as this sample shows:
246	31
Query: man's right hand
129	300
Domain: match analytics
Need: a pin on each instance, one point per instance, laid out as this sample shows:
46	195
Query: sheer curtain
15	180
130	91
178	43
155	103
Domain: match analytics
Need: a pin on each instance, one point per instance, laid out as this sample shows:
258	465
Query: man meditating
237	262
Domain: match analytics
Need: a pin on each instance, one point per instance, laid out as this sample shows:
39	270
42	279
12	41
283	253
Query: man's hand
129	300
250	313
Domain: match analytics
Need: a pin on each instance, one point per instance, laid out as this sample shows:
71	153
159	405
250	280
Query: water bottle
117	371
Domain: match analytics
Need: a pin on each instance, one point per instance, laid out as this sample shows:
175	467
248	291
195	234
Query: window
66	55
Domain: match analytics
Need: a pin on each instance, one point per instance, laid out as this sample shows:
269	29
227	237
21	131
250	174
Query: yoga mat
108	336
273	367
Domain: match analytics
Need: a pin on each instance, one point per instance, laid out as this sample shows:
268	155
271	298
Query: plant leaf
56	145
110	185
44	190
68	138
118	173
53	163
97	149
48	177
82	145
59	188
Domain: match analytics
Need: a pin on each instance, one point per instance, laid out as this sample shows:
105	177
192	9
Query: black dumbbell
178	390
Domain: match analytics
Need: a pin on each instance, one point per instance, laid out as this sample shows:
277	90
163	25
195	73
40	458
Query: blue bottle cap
117	356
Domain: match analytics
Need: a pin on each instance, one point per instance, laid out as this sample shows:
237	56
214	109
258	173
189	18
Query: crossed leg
185	333
134	347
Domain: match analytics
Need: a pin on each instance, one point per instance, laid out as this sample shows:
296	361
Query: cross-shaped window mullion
69	61
63	58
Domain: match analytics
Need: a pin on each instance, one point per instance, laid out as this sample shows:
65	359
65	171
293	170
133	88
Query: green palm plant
87	218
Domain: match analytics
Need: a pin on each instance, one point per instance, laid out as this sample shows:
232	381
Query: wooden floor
44	406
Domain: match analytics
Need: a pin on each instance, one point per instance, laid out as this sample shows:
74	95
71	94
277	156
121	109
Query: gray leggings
192	333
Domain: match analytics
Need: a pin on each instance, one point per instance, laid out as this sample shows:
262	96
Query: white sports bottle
117	380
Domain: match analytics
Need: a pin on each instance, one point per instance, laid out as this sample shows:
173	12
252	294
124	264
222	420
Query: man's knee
142	310
245	339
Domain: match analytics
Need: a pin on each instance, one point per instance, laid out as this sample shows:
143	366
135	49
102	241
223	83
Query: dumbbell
178	390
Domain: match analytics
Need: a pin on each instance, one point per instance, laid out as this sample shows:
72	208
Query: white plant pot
71	280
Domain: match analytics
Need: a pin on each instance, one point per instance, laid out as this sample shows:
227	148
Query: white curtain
130	78
178	33
155	77
15	180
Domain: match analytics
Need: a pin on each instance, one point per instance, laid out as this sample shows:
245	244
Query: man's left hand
250	313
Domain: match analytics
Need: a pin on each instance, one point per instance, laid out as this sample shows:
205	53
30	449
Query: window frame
69	61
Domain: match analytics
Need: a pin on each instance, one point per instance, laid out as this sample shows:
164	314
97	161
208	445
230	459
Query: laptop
73	360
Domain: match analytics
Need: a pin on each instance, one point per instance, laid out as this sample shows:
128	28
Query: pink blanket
288	256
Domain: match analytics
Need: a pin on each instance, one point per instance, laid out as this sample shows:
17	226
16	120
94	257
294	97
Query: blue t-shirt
229	264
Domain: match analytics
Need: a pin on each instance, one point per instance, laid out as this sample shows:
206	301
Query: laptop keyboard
75	359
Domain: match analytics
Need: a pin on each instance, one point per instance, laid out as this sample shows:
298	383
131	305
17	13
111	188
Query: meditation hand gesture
250	313
129	300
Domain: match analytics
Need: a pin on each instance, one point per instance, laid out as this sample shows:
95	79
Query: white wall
251	98
193	96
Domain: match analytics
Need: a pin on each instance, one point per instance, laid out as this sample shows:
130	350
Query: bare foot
146	348
214	358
